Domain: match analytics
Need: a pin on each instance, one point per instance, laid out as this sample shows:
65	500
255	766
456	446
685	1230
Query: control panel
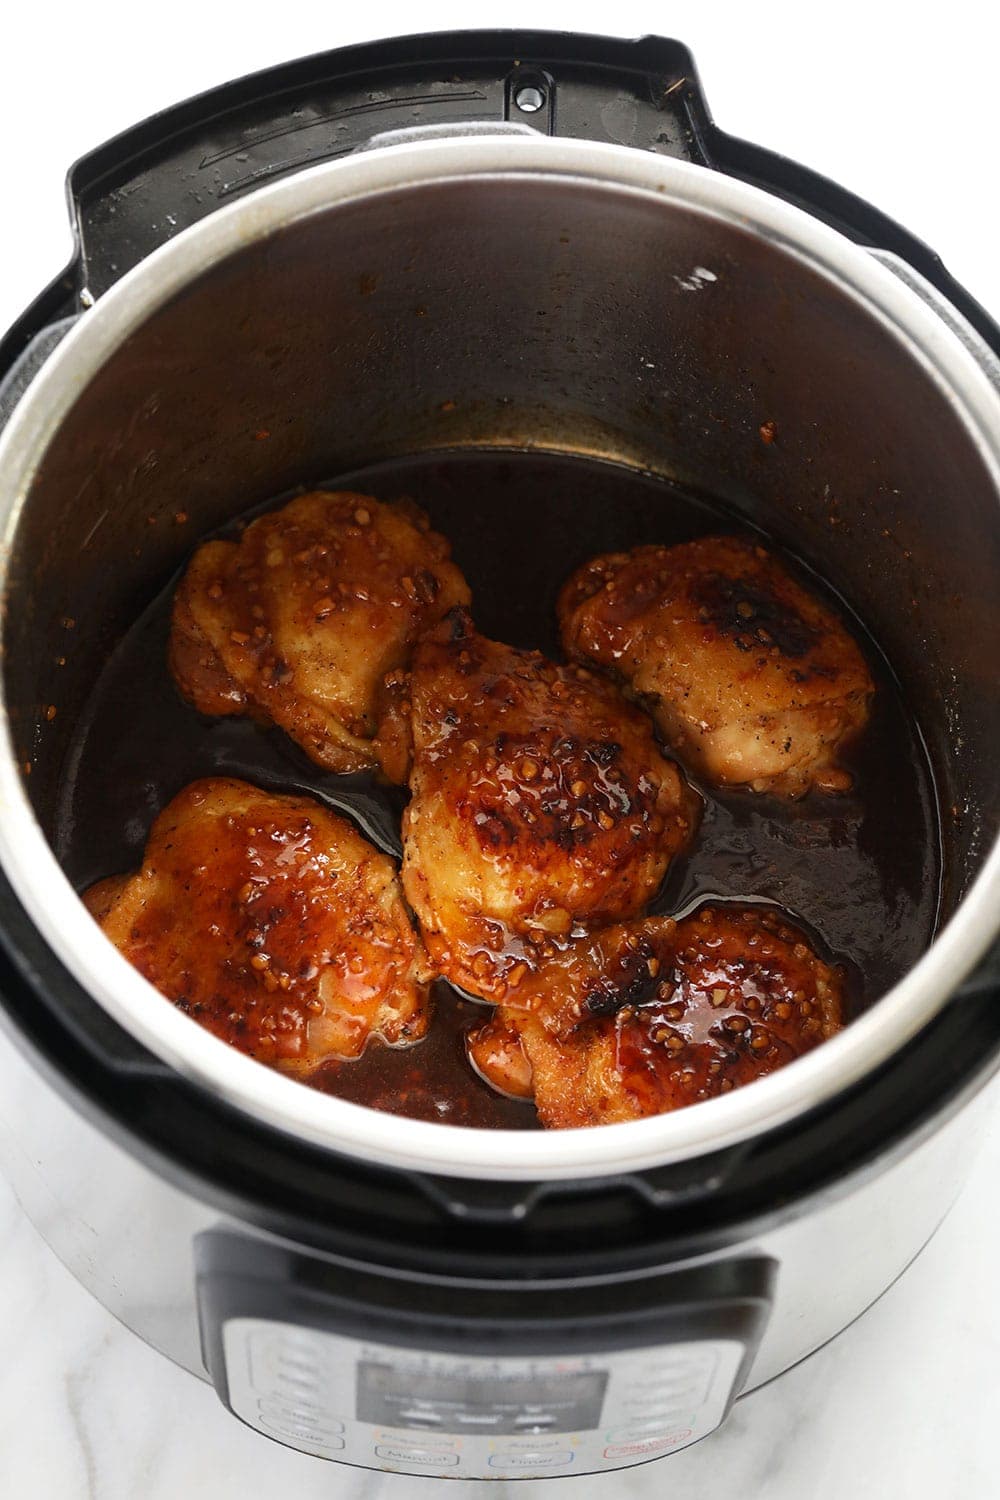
415	1372
385	1407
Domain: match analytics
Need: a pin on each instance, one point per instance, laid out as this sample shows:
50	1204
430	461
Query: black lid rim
362	1214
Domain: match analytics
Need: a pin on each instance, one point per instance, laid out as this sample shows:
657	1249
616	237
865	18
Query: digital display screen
486	1402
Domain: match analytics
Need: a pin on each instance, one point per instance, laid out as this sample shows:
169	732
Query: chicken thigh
298	622
749	677
655	1015
541	805
273	923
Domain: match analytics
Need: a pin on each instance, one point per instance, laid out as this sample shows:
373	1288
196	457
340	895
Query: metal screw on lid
529	99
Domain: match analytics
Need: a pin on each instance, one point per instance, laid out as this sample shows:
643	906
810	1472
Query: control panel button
684	1391
300	1434
429	1440
397	1454
657	1398
297	1411
680	1380
524	1458
656	1426
295	1385
650	1445
670	1362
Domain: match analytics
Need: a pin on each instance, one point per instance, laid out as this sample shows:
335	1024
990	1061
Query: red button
651	1445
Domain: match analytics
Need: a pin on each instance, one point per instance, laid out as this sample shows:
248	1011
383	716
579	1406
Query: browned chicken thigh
654	1015
749	677
298	622
541	804
273	923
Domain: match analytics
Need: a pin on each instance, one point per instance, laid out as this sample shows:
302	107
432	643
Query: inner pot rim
955	360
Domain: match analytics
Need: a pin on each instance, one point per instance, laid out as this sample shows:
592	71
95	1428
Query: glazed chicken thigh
298	621
750	678
541	805
273	923
653	1015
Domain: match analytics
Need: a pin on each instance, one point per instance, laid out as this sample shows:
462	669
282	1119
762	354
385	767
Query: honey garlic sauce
744	994
859	872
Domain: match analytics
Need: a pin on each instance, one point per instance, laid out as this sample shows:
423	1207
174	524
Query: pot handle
24	369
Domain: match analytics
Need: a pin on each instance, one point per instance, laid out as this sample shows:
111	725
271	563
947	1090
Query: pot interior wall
523	311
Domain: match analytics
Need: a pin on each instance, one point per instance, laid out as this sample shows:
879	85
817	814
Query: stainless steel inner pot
517	292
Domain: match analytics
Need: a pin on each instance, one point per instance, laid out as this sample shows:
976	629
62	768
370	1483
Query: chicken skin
298	622
273	923
541	805
749	678
655	1015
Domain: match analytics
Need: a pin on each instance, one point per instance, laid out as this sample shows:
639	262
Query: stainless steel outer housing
519	292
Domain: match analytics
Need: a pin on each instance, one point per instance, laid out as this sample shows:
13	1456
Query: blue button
519	1458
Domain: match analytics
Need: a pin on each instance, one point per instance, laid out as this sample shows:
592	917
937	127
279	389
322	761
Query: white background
899	102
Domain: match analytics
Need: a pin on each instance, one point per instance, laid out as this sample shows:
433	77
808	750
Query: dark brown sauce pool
861	872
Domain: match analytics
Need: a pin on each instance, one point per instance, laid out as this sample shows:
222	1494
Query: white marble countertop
904	1402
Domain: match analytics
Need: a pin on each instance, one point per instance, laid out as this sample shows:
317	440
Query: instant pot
503	240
